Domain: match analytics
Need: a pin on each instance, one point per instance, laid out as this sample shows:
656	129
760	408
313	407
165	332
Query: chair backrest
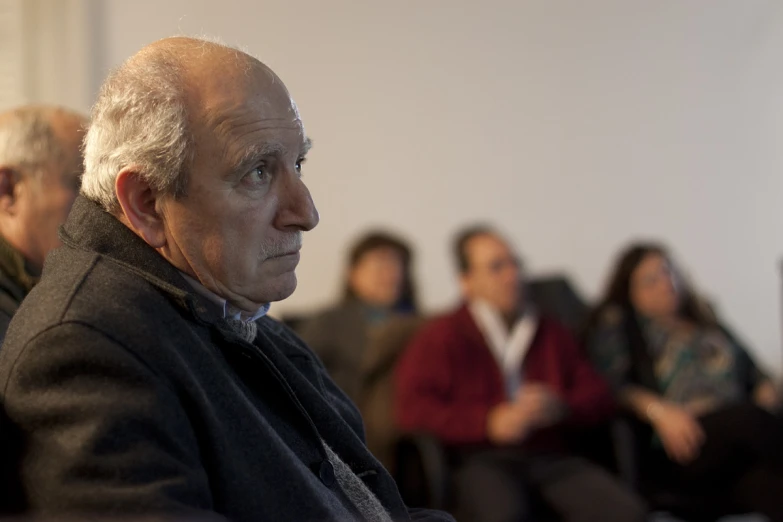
555	297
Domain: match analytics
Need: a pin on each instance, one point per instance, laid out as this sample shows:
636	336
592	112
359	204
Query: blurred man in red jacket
501	385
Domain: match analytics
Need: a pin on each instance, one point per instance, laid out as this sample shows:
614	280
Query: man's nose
297	209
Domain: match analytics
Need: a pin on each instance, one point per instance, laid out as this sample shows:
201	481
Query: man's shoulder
44	306
84	287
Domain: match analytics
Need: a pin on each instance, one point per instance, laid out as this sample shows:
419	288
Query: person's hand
535	406
541	405
680	431
507	424
766	396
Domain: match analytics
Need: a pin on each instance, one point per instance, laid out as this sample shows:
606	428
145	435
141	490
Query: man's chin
279	289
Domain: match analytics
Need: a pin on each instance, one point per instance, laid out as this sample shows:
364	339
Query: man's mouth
286	254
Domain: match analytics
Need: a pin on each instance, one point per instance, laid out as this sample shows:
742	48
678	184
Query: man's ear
350	275
464	285
138	202
8	181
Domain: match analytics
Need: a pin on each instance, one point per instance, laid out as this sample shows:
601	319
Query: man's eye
259	174
299	164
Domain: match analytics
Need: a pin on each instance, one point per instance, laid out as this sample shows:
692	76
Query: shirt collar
229	311
510	347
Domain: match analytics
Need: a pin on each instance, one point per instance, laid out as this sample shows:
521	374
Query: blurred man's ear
464	284
8	182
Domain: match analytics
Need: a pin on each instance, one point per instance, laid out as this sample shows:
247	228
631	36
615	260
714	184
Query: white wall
574	125
45	53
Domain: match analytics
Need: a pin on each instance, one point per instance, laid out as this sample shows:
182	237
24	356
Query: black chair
631	439
424	469
555	297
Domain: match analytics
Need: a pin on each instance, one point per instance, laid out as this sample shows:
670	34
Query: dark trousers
741	461
499	485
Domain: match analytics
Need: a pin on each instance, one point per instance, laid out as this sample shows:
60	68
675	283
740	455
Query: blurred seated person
673	365
501	387
40	168
378	286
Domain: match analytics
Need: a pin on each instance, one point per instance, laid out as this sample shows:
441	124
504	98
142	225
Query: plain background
573	126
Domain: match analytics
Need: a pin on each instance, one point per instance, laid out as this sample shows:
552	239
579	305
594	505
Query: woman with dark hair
378	286
708	408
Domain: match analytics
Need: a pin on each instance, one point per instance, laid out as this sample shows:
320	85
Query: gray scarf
247	330
357	492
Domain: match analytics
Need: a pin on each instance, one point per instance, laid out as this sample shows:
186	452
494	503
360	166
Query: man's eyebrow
254	153
306	146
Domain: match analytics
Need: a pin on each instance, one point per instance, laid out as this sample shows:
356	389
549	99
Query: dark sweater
125	393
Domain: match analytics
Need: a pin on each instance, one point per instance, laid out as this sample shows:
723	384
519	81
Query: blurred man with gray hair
142	376
40	168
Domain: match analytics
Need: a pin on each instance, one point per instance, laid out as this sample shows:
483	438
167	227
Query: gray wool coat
124	393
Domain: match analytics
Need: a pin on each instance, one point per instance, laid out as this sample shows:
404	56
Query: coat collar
469	330
89	227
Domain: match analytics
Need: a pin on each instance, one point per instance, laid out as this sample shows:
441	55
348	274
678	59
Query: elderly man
502	387
141	376
40	167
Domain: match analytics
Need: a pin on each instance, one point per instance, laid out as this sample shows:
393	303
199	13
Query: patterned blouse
698	367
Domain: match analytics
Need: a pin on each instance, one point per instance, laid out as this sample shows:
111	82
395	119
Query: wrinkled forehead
487	247
234	99
654	269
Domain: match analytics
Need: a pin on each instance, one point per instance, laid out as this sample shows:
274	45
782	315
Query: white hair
140	119
27	140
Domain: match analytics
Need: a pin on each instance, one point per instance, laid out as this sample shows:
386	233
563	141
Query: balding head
197	147
40	167
35	136
147	110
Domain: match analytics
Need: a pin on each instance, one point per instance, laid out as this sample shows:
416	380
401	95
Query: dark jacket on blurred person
15	283
359	345
376	395
40	168
340	337
378	287
448	381
99	393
